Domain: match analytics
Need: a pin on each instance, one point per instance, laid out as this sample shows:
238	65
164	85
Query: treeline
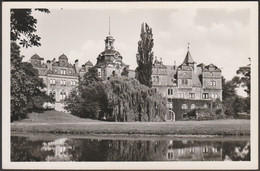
117	99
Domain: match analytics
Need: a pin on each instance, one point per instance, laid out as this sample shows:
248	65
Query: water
31	148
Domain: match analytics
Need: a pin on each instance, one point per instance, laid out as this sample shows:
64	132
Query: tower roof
63	57
35	56
188	59
89	63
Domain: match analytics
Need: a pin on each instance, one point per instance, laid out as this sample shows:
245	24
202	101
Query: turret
49	65
76	66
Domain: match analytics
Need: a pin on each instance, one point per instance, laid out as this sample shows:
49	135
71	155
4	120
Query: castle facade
199	84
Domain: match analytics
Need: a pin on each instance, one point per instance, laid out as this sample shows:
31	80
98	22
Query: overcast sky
216	35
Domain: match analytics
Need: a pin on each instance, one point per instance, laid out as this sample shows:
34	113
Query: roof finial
188	46
109	27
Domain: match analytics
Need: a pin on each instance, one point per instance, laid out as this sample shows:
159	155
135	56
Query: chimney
76	65
161	60
49	65
195	67
174	66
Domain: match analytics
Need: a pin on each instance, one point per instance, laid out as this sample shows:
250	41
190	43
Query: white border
6	164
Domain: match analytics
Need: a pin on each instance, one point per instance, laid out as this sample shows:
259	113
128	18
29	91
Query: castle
198	84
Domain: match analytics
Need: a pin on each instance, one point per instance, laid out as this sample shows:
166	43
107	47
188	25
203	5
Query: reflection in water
64	149
60	149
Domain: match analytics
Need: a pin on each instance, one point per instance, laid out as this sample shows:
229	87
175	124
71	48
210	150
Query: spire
109	41
188	59
109	26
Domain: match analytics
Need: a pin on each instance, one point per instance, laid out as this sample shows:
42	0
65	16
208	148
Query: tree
244	78
27	92
23	27
36	96
117	99
145	56
18	91
88	100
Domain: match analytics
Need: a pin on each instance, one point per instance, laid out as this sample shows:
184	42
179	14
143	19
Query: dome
89	63
110	52
63	57
35	56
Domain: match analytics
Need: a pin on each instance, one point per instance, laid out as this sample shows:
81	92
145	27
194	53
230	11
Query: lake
164	148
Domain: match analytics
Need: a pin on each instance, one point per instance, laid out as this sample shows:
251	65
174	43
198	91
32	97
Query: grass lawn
65	123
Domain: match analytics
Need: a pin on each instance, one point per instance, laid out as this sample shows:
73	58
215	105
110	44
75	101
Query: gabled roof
89	63
188	59
184	67
211	67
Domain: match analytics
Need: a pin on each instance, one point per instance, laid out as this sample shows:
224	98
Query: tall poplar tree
144	56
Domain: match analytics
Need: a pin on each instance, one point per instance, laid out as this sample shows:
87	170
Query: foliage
128	100
89	98
145	56
233	103
18	93
205	114
244	79
117	99
125	72
23	27
26	87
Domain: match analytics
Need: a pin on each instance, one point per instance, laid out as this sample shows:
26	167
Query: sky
216	35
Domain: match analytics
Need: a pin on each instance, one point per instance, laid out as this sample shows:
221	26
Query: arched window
184	106
192	106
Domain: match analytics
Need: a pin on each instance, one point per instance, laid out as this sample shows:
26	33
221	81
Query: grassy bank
63	123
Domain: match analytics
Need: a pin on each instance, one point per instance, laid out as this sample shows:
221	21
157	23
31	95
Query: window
62	95
63	71
211	74
70	72
213	83
170	91
184	73
184	106
53	93
205	105
63	82
192	106
181	95
73	83
192	95
184	82
52	82
55	71
205	95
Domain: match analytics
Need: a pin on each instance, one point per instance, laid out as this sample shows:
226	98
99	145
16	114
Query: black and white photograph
130	85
